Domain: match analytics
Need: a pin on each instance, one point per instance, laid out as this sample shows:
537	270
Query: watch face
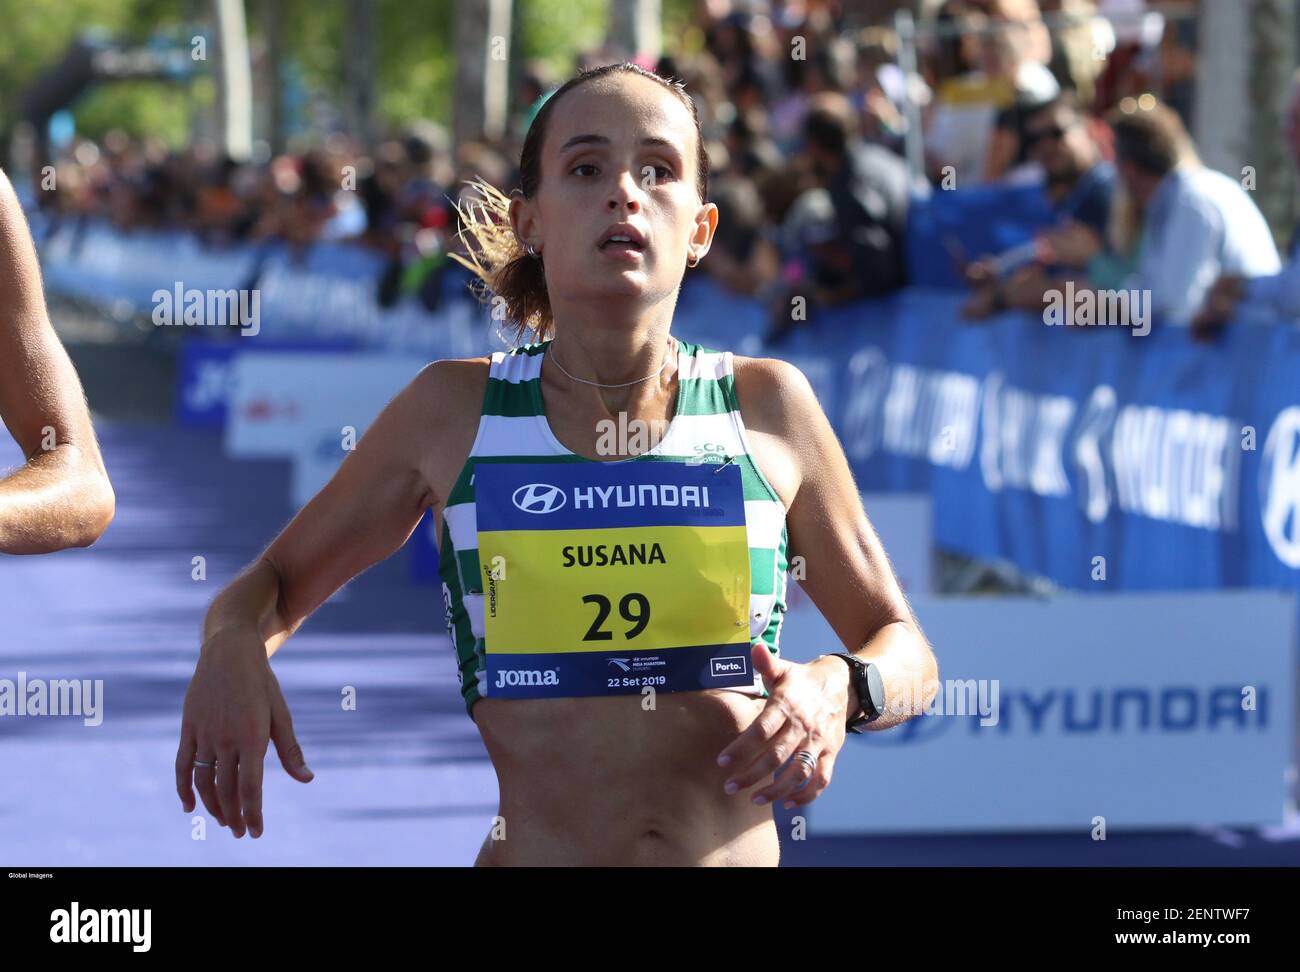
875	689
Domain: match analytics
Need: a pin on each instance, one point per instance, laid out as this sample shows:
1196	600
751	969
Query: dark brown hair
496	257
1150	135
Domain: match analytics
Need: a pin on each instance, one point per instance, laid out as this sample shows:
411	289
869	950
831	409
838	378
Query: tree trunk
360	69
233	75
634	28
482	69
1245	60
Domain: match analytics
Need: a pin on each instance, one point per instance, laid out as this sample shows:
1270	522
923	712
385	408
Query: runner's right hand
233	707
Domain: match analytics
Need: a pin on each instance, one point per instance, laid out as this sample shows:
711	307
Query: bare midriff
613	781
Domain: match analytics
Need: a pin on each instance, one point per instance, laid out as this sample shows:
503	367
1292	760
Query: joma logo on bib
529	676
545	498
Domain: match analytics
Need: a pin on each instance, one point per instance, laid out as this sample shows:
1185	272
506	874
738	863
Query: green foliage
413	61
554	33
677	15
35	39
312	36
143	109
412	57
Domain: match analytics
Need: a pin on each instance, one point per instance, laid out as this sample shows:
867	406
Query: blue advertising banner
1089	455
204	375
1078	713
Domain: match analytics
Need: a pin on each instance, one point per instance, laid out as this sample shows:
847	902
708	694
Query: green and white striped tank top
707	427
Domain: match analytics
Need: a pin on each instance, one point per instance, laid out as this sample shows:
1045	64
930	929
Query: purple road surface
403	779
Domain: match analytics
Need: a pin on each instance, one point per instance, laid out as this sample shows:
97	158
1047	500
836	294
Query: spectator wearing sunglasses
1188	224
1079	185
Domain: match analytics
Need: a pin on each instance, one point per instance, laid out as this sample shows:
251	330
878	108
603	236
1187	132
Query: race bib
604	578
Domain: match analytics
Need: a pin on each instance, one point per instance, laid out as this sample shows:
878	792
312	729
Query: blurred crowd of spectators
807	160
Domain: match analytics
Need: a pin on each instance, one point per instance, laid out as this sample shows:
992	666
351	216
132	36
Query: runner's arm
61	496
364	514
847	572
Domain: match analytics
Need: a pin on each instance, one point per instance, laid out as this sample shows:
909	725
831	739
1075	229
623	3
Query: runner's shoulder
451	390
775	396
441	411
454	377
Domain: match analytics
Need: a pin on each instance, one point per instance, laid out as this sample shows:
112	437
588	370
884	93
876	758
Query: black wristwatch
870	688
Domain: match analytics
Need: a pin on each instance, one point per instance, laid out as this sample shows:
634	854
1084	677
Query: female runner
591	256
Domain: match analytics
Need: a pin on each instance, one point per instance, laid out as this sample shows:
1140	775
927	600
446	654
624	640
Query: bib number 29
640	617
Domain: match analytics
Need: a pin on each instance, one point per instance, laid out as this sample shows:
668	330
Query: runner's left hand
807	708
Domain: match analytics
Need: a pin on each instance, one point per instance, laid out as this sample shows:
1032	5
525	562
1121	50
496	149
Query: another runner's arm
847	573
61	497
364	514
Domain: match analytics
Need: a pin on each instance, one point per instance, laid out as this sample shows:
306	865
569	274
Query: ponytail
506	275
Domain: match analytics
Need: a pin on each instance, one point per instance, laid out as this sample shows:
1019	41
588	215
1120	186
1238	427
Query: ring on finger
809	761
205	764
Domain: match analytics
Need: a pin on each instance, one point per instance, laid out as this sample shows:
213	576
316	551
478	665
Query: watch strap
870	690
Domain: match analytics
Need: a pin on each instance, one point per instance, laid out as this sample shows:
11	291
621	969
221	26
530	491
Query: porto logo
1279	485
730	665
539	498
621	663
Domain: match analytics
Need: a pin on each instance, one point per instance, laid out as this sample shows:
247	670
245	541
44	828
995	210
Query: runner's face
599	170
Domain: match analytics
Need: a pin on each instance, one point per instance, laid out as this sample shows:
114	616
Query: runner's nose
625	194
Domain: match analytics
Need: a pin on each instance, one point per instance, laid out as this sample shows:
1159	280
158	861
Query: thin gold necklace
625	384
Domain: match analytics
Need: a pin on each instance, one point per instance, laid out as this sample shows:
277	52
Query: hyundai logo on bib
539	498
545	498
639	494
